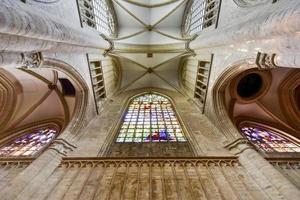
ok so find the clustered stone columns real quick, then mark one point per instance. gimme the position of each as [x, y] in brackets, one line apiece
[275, 185]
[263, 24]
[30, 179]
[24, 28]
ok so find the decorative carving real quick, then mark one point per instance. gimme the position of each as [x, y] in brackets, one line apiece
[61, 146]
[149, 162]
[111, 45]
[31, 60]
[265, 61]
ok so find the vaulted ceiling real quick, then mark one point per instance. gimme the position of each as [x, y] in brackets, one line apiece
[149, 43]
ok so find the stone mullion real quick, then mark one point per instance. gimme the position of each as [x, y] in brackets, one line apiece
[210, 183]
[252, 187]
[172, 191]
[46, 189]
[90, 188]
[65, 183]
[131, 184]
[224, 186]
[144, 192]
[104, 185]
[78, 182]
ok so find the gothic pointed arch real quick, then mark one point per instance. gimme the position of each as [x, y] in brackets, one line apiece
[150, 127]
[245, 93]
[269, 139]
[30, 142]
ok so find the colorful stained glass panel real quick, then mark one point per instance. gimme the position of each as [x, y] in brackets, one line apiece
[152, 119]
[268, 140]
[29, 143]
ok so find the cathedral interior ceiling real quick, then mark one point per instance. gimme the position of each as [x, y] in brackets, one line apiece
[149, 43]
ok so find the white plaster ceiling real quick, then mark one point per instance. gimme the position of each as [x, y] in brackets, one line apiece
[163, 39]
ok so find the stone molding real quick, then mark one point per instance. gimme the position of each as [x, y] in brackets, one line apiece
[62, 146]
[149, 162]
[265, 61]
[239, 146]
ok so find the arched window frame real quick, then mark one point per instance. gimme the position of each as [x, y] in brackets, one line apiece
[199, 15]
[100, 15]
[181, 125]
[23, 132]
[273, 130]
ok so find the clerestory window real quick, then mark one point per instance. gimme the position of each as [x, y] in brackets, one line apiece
[29, 144]
[200, 14]
[98, 14]
[269, 140]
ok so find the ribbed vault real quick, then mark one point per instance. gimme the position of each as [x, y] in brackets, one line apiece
[149, 43]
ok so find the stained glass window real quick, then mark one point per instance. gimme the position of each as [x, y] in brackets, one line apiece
[269, 140]
[29, 144]
[201, 14]
[150, 118]
[98, 14]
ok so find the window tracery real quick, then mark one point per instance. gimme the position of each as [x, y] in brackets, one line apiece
[98, 14]
[269, 140]
[200, 14]
[29, 144]
[150, 118]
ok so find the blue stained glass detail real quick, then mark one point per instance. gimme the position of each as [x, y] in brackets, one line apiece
[269, 140]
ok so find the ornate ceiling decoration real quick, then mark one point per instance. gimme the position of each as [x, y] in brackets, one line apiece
[149, 43]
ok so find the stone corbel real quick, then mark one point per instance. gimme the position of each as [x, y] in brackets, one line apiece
[111, 45]
[265, 61]
[239, 146]
[61, 146]
[31, 60]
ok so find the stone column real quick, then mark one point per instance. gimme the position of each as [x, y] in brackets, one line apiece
[278, 20]
[275, 185]
[26, 28]
[30, 179]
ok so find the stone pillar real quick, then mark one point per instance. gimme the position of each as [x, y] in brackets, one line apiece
[271, 181]
[264, 22]
[26, 28]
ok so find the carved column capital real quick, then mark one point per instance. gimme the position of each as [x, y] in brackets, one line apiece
[265, 61]
[31, 60]
[239, 146]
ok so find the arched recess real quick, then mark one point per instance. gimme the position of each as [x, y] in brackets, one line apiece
[268, 139]
[223, 121]
[48, 161]
[78, 121]
[273, 102]
[25, 109]
[159, 141]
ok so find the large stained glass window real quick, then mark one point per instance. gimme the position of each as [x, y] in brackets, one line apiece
[29, 144]
[150, 118]
[268, 140]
